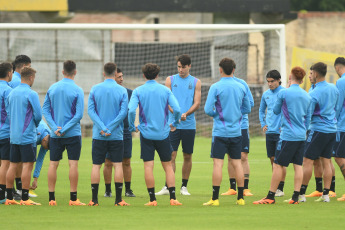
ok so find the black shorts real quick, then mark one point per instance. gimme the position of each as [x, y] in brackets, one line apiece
[23, 153]
[113, 149]
[289, 152]
[127, 147]
[187, 136]
[229, 145]
[245, 140]
[148, 147]
[58, 146]
[271, 144]
[5, 147]
[339, 146]
[319, 144]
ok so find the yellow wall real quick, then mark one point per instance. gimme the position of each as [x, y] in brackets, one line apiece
[33, 5]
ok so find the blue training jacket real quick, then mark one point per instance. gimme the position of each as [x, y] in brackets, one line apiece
[16, 80]
[294, 103]
[5, 90]
[42, 131]
[25, 114]
[154, 100]
[63, 107]
[226, 102]
[245, 119]
[273, 121]
[340, 115]
[107, 108]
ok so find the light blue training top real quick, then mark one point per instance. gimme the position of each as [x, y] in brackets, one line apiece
[245, 119]
[16, 80]
[226, 102]
[154, 100]
[341, 104]
[42, 131]
[5, 90]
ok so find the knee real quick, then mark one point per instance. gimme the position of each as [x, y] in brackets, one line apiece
[126, 162]
[187, 157]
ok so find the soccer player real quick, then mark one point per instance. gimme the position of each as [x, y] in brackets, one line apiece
[187, 90]
[294, 103]
[339, 147]
[63, 109]
[25, 115]
[5, 89]
[271, 122]
[20, 62]
[107, 107]
[226, 102]
[154, 100]
[323, 129]
[43, 137]
[245, 150]
[127, 154]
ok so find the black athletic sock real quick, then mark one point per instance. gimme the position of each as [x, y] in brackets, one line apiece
[107, 187]
[325, 191]
[19, 183]
[240, 193]
[215, 195]
[73, 196]
[295, 196]
[9, 193]
[151, 192]
[318, 182]
[233, 183]
[172, 193]
[25, 194]
[94, 189]
[333, 184]
[246, 182]
[118, 189]
[2, 191]
[128, 185]
[303, 189]
[281, 186]
[51, 196]
[184, 182]
[270, 195]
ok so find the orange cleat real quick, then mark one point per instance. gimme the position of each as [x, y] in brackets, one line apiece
[229, 192]
[341, 198]
[314, 194]
[332, 194]
[28, 202]
[91, 203]
[52, 203]
[151, 203]
[293, 202]
[122, 203]
[175, 202]
[76, 203]
[247, 192]
[264, 201]
[11, 202]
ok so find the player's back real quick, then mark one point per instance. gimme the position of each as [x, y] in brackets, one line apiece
[341, 104]
[5, 90]
[245, 119]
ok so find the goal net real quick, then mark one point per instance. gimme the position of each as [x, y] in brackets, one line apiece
[255, 49]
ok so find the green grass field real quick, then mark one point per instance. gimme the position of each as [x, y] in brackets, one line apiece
[192, 215]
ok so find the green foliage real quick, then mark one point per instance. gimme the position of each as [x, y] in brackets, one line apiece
[318, 5]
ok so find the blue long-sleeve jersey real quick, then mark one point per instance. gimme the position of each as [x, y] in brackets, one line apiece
[226, 102]
[42, 131]
[154, 100]
[125, 121]
[294, 102]
[5, 90]
[63, 107]
[341, 104]
[25, 115]
[273, 121]
[323, 107]
[245, 119]
[16, 80]
[107, 108]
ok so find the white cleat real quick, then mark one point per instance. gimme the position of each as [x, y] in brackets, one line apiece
[164, 191]
[323, 198]
[301, 198]
[184, 191]
[279, 193]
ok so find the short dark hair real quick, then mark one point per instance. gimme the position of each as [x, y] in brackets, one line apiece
[5, 68]
[273, 74]
[228, 65]
[27, 72]
[69, 67]
[109, 68]
[150, 70]
[118, 70]
[298, 73]
[320, 68]
[21, 60]
[184, 59]
[339, 61]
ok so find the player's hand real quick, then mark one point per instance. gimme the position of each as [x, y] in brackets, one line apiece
[57, 132]
[183, 116]
[172, 128]
[264, 128]
[38, 133]
[34, 184]
[136, 129]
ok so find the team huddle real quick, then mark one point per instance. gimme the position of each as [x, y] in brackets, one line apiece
[302, 128]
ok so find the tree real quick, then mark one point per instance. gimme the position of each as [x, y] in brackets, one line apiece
[318, 5]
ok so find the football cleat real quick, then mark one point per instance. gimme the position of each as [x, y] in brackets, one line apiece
[184, 191]
[323, 198]
[229, 192]
[212, 203]
[32, 193]
[52, 203]
[76, 203]
[164, 191]
[28, 202]
[107, 194]
[175, 202]
[264, 201]
[91, 203]
[151, 203]
[247, 192]
[240, 202]
[11, 202]
[122, 203]
[332, 194]
[279, 193]
[129, 193]
[341, 198]
[314, 194]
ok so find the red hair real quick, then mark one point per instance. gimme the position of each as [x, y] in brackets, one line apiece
[298, 73]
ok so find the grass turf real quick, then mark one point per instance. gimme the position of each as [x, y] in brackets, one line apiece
[192, 215]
